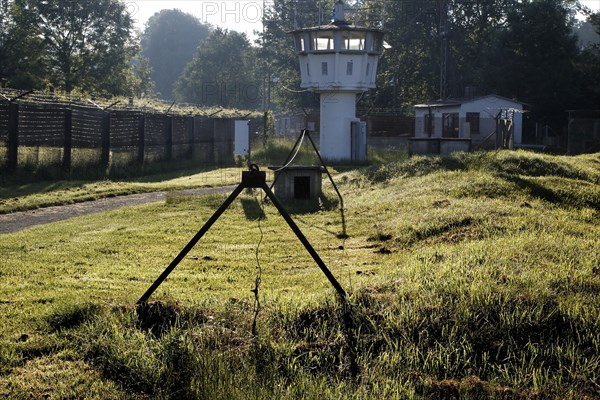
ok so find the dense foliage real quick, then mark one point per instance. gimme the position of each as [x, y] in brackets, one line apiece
[86, 45]
[169, 42]
[527, 50]
[519, 49]
[221, 73]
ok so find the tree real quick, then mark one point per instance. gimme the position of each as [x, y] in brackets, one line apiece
[4, 39]
[588, 66]
[408, 70]
[169, 41]
[221, 73]
[535, 61]
[21, 63]
[277, 51]
[87, 43]
[142, 72]
[586, 32]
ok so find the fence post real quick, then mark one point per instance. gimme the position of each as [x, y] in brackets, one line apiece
[13, 137]
[142, 138]
[192, 151]
[105, 156]
[68, 142]
[169, 141]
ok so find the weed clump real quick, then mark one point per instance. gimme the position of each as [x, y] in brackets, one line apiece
[158, 317]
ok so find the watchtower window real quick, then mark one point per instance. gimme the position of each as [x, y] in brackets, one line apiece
[378, 43]
[324, 68]
[353, 41]
[300, 44]
[302, 187]
[321, 41]
[349, 68]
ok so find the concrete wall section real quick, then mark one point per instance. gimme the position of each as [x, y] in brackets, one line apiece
[449, 146]
[423, 146]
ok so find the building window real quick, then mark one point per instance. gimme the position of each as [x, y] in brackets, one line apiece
[324, 68]
[307, 69]
[473, 120]
[349, 68]
[450, 125]
[300, 44]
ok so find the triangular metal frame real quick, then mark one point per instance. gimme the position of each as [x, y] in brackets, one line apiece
[254, 178]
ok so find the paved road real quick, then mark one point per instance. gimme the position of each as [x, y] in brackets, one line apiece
[18, 221]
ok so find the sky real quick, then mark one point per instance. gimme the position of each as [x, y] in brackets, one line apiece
[239, 15]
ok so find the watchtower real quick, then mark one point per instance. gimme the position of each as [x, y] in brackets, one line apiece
[339, 61]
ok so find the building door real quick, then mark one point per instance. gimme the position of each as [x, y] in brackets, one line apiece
[358, 141]
[450, 125]
[242, 138]
[302, 187]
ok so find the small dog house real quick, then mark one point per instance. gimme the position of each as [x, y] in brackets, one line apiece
[298, 182]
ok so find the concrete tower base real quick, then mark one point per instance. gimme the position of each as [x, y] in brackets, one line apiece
[338, 111]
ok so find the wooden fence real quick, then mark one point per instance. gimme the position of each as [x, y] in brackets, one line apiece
[77, 136]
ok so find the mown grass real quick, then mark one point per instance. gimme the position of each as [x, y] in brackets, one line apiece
[48, 186]
[470, 276]
[18, 196]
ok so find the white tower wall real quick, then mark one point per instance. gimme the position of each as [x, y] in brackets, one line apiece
[338, 110]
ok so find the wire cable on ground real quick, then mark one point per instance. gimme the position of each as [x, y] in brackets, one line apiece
[258, 278]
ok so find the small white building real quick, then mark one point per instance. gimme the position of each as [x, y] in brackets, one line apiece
[463, 124]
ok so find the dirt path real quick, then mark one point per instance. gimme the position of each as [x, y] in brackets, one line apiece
[18, 221]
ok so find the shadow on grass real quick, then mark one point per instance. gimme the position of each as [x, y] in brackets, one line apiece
[252, 209]
[579, 196]
[27, 182]
[534, 189]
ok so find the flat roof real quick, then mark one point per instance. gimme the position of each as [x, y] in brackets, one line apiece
[298, 168]
[460, 101]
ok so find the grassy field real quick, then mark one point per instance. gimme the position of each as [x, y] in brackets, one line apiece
[470, 276]
[43, 193]
[22, 192]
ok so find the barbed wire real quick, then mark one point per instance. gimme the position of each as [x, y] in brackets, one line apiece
[149, 105]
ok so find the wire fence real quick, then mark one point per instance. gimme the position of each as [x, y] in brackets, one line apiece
[44, 133]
